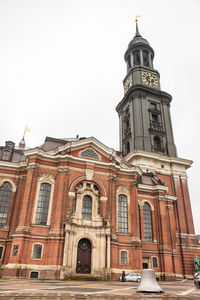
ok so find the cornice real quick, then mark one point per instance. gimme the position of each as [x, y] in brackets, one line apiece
[116, 164]
[153, 188]
[12, 165]
[141, 89]
[161, 158]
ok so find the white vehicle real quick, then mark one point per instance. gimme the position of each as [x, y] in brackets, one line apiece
[131, 277]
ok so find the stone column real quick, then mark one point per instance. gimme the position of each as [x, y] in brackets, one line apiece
[108, 251]
[131, 55]
[65, 247]
[141, 57]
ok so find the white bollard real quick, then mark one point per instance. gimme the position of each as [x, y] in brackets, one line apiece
[148, 282]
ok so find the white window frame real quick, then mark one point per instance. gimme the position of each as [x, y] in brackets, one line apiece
[45, 178]
[41, 251]
[124, 191]
[120, 253]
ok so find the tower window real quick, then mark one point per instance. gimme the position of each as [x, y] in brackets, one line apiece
[147, 223]
[122, 214]
[157, 143]
[151, 60]
[136, 58]
[155, 118]
[129, 61]
[87, 207]
[153, 106]
[146, 58]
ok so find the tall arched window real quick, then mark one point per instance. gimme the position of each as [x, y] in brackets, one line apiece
[129, 61]
[43, 204]
[136, 57]
[87, 207]
[5, 195]
[124, 258]
[146, 58]
[122, 214]
[37, 251]
[147, 223]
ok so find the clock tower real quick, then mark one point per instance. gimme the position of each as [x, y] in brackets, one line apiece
[144, 112]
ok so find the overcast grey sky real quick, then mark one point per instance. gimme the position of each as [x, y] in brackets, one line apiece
[62, 66]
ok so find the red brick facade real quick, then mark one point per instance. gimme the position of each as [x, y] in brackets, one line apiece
[104, 176]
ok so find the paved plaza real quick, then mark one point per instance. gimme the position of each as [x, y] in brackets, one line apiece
[57, 289]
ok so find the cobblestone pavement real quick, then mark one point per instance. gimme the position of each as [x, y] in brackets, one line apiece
[56, 289]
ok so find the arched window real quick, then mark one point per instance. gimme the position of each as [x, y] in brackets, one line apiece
[136, 57]
[122, 214]
[129, 61]
[37, 251]
[43, 204]
[87, 207]
[154, 262]
[146, 58]
[147, 223]
[124, 258]
[5, 195]
[157, 143]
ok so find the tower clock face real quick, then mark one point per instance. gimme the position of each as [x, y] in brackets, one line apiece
[128, 83]
[150, 79]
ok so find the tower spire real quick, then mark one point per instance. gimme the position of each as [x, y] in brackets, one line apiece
[137, 33]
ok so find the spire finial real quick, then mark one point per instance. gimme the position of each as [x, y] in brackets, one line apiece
[22, 142]
[137, 30]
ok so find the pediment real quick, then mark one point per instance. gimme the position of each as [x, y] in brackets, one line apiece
[88, 149]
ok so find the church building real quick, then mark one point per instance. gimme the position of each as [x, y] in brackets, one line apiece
[74, 208]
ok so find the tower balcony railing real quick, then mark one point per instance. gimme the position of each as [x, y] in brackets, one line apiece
[156, 126]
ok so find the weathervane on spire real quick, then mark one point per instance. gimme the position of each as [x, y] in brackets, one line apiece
[136, 18]
[22, 142]
[137, 34]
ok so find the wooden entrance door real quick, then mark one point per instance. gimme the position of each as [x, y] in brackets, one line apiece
[83, 265]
